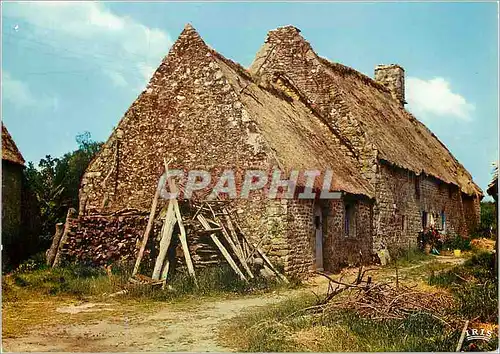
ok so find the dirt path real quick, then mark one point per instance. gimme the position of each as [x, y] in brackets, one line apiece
[168, 329]
[191, 327]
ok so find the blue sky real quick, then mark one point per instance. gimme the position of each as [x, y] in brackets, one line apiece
[74, 67]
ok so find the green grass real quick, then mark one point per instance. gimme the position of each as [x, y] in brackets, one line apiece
[410, 256]
[475, 286]
[82, 281]
[283, 328]
[457, 243]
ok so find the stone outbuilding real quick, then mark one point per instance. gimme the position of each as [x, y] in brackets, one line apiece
[292, 110]
[12, 195]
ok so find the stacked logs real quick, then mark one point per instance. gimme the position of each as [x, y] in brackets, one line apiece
[101, 239]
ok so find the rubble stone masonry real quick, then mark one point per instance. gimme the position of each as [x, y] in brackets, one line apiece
[398, 211]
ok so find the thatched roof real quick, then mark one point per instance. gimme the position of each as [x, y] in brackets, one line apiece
[397, 135]
[493, 185]
[298, 138]
[10, 152]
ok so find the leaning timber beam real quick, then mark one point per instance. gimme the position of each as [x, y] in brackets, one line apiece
[221, 247]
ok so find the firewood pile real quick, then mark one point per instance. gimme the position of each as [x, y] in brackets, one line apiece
[381, 301]
[205, 233]
[214, 233]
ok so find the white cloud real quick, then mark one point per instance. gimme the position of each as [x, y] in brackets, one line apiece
[434, 97]
[91, 33]
[20, 94]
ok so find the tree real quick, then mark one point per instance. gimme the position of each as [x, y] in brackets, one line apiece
[56, 182]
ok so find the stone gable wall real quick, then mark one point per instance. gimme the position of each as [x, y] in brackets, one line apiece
[286, 54]
[196, 120]
[189, 112]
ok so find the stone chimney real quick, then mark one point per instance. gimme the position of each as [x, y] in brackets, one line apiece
[393, 77]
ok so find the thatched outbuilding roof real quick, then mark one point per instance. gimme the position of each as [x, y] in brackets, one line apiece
[10, 152]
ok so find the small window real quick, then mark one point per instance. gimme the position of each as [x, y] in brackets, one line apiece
[417, 187]
[403, 223]
[443, 220]
[350, 220]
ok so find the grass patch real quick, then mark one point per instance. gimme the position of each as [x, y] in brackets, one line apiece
[457, 243]
[213, 281]
[410, 256]
[282, 328]
[32, 293]
[475, 286]
[80, 281]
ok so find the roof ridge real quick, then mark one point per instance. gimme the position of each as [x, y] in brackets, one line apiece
[344, 69]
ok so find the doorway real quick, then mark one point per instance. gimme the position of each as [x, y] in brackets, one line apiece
[318, 227]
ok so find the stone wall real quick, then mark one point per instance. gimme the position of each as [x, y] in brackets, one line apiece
[401, 199]
[341, 249]
[288, 59]
[393, 77]
[300, 237]
[11, 201]
[11, 212]
[472, 212]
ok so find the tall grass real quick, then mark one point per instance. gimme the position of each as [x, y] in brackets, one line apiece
[406, 256]
[283, 327]
[474, 285]
[85, 281]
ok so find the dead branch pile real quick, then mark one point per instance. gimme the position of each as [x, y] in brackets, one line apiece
[381, 301]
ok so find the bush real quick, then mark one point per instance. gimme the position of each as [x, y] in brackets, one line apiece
[403, 256]
[457, 243]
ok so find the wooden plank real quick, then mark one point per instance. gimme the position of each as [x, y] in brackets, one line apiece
[233, 231]
[264, 257]
[164, 271]
[462, 336]
[149, 226]
[57, 259]
[261, 253]
[183, 239]
[236, 251]
[165, 241]
[52, 251]
[221, 247]
[166, 263]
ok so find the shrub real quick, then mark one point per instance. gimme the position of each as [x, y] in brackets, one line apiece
[457, 243]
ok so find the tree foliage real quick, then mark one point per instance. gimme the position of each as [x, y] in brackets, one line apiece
[56, 181]
[488, 218]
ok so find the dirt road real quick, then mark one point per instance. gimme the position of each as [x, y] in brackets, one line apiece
[191, 326]
[168, 329]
